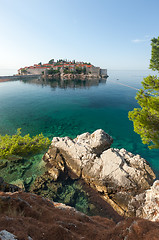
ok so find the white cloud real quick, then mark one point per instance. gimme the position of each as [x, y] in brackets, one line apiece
[145, 39]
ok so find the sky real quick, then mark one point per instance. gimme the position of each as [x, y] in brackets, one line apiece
[112, 34]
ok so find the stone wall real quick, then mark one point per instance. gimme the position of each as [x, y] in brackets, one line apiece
[94, 71]
[103, 72]
[35, 71]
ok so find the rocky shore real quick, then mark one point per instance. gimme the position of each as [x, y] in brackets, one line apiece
[122, 179]
[110, 176]
[26, 216]
[71, 76]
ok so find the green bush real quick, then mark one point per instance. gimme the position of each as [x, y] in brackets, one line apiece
[146, 118]
[52, 71]
[22, 146]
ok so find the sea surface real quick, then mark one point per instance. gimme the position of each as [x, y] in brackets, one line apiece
[70, 108]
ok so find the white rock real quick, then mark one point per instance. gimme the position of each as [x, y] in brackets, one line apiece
[113, 171]
[151, 206]
[5, 235]
[122, 167]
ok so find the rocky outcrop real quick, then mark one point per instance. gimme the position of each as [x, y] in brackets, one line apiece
[6, 187]
[151, 204]
[5, 235]
[146, 204]
[80, 76]
[73, 76]
[117, 175]
[28, 216]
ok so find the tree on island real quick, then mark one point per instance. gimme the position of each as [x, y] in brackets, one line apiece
[146, 118]
[24, 71]
[51, 61]
[52, 71]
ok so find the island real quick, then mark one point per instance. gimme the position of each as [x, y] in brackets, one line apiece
[64, 69]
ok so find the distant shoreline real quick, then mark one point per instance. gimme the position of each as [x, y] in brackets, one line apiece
[15, 77]
[64, 77]
[5, 80]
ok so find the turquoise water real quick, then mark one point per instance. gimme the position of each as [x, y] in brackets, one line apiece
[71, 108]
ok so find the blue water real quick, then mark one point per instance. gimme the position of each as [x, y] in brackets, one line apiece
[70, 108]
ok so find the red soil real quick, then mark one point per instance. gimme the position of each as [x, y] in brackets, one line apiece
[26, 214]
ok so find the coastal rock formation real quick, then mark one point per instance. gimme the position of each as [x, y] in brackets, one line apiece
[151, 204]
[6, 187]
[31, 217]
[117, 175]
[5, 235]
[81, 76]
[146, 204]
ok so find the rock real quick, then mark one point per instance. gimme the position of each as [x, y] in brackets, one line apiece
[6, 187]
[1, 180]
[54, 173]
[117, 174]
[28, 181]
[151, 204]
[135, 205]
[19, 183]
[14, 158]
[5, 235]
[146, 204]
[98, 140]
[3, 164]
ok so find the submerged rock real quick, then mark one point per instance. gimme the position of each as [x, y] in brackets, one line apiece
[19, 183]
[6, 187]
[117, 175]
[3, 164]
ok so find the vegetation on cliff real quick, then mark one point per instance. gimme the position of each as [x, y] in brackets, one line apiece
[146, 118]
[78, 70]
[52, 71]
[22, 146]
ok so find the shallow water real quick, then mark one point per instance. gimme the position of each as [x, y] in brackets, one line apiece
[70, 108]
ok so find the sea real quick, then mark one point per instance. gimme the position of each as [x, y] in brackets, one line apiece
[69, 108]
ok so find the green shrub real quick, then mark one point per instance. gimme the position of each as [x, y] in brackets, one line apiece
[52, 71]
[22, 146]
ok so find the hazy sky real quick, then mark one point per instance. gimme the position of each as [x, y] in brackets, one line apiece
[113, 34]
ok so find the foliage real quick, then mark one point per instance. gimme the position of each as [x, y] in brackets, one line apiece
[51, 61]
[84, 70]
[66, 70]
[146, 118]
[52, 71]
[154, 62]
[78, 70]
[24, 70]
[22, 146]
